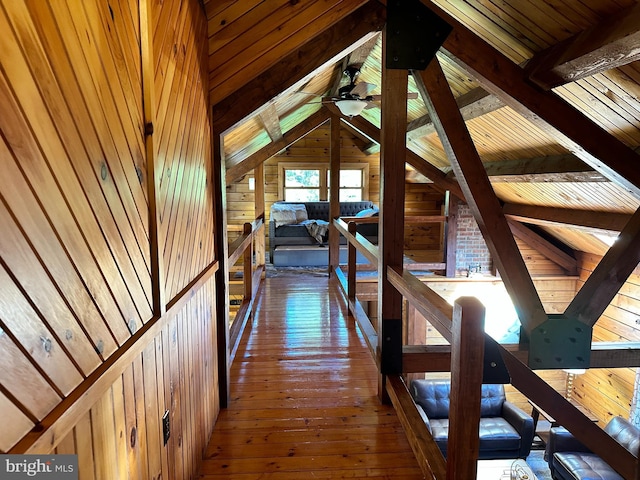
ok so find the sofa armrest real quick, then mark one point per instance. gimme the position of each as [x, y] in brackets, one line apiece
[523, 423]
[561, 440]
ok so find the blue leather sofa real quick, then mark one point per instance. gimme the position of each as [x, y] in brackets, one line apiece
[570, 460]
[505, 430]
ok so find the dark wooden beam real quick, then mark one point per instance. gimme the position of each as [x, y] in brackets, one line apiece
[391, 225]
[556, 168]
[583, 219]
[556, 117]
[222, 275]
[567, 415]
[609, 44]
[544, 247]
[437, 358]
[238, 166]
[472, 104]
[481, 198]
[327, 47]
[609, 275]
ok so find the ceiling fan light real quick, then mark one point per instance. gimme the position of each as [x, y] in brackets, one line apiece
[351, 108]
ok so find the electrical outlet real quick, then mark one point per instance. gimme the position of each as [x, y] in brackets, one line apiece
[166, 430]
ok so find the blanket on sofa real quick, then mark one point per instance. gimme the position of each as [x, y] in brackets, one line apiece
[317, 229]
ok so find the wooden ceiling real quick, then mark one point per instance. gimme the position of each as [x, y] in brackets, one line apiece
[271, 63]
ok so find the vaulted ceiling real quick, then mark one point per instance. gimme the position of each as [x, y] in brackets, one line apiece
[549, 92]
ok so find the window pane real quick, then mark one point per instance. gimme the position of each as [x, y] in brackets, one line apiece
[350, 178]
[301, 195]
[350, 194]
[302, 178]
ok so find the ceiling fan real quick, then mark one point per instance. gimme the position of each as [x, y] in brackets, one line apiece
[353, 98]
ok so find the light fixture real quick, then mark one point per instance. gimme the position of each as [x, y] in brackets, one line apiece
[351, 108]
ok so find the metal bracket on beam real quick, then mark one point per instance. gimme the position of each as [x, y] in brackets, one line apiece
[495, 370]
[414, 35]
[560, 342]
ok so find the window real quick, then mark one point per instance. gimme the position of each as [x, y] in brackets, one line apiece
[304, 183]
[350, 185]
[301, 185]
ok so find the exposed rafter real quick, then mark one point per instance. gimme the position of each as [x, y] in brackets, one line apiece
[271, 121]
[583, 219]
[612, 43]
[485, 206]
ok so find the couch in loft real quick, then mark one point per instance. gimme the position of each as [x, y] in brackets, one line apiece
[290, 224]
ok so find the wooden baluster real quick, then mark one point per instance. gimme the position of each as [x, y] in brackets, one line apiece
[248, 264]
[351, 265]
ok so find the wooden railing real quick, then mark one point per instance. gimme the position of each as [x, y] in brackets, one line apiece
[253, 267]
[471, 357]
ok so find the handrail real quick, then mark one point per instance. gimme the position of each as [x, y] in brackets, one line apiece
[243, 247]
[362, 245]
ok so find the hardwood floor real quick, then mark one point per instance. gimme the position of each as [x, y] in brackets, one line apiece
[304, 401]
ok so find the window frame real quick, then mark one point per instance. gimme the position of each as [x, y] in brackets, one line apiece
[324, 169]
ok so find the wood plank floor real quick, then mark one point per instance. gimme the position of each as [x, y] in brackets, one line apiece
[303, 391]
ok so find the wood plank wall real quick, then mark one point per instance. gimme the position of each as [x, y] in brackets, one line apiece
[608, 392]
[75, 251]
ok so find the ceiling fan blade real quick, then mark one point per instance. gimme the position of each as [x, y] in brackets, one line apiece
[410, 96]
[362, 89]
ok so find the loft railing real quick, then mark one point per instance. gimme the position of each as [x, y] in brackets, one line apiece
[250, 247]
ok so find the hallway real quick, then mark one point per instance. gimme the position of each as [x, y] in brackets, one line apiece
[304, 396]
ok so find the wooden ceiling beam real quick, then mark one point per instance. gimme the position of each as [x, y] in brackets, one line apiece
[556, 117]
[472, 104]
[556, 168]
[271, 121]
[242, 166]
[323, 49]
[610, 44]
[481, 198]
[552, 216]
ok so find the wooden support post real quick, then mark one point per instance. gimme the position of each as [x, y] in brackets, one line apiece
[153, 175]
[391, 240]
[334, 194]
[351, 266]
[467, 357]
[451, 234]
[222, 275]
[260, 241]
[247, 261]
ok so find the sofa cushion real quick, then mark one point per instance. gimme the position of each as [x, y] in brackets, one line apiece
[498, 434]
[491, 400]
[582, 465]
[494, 433]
